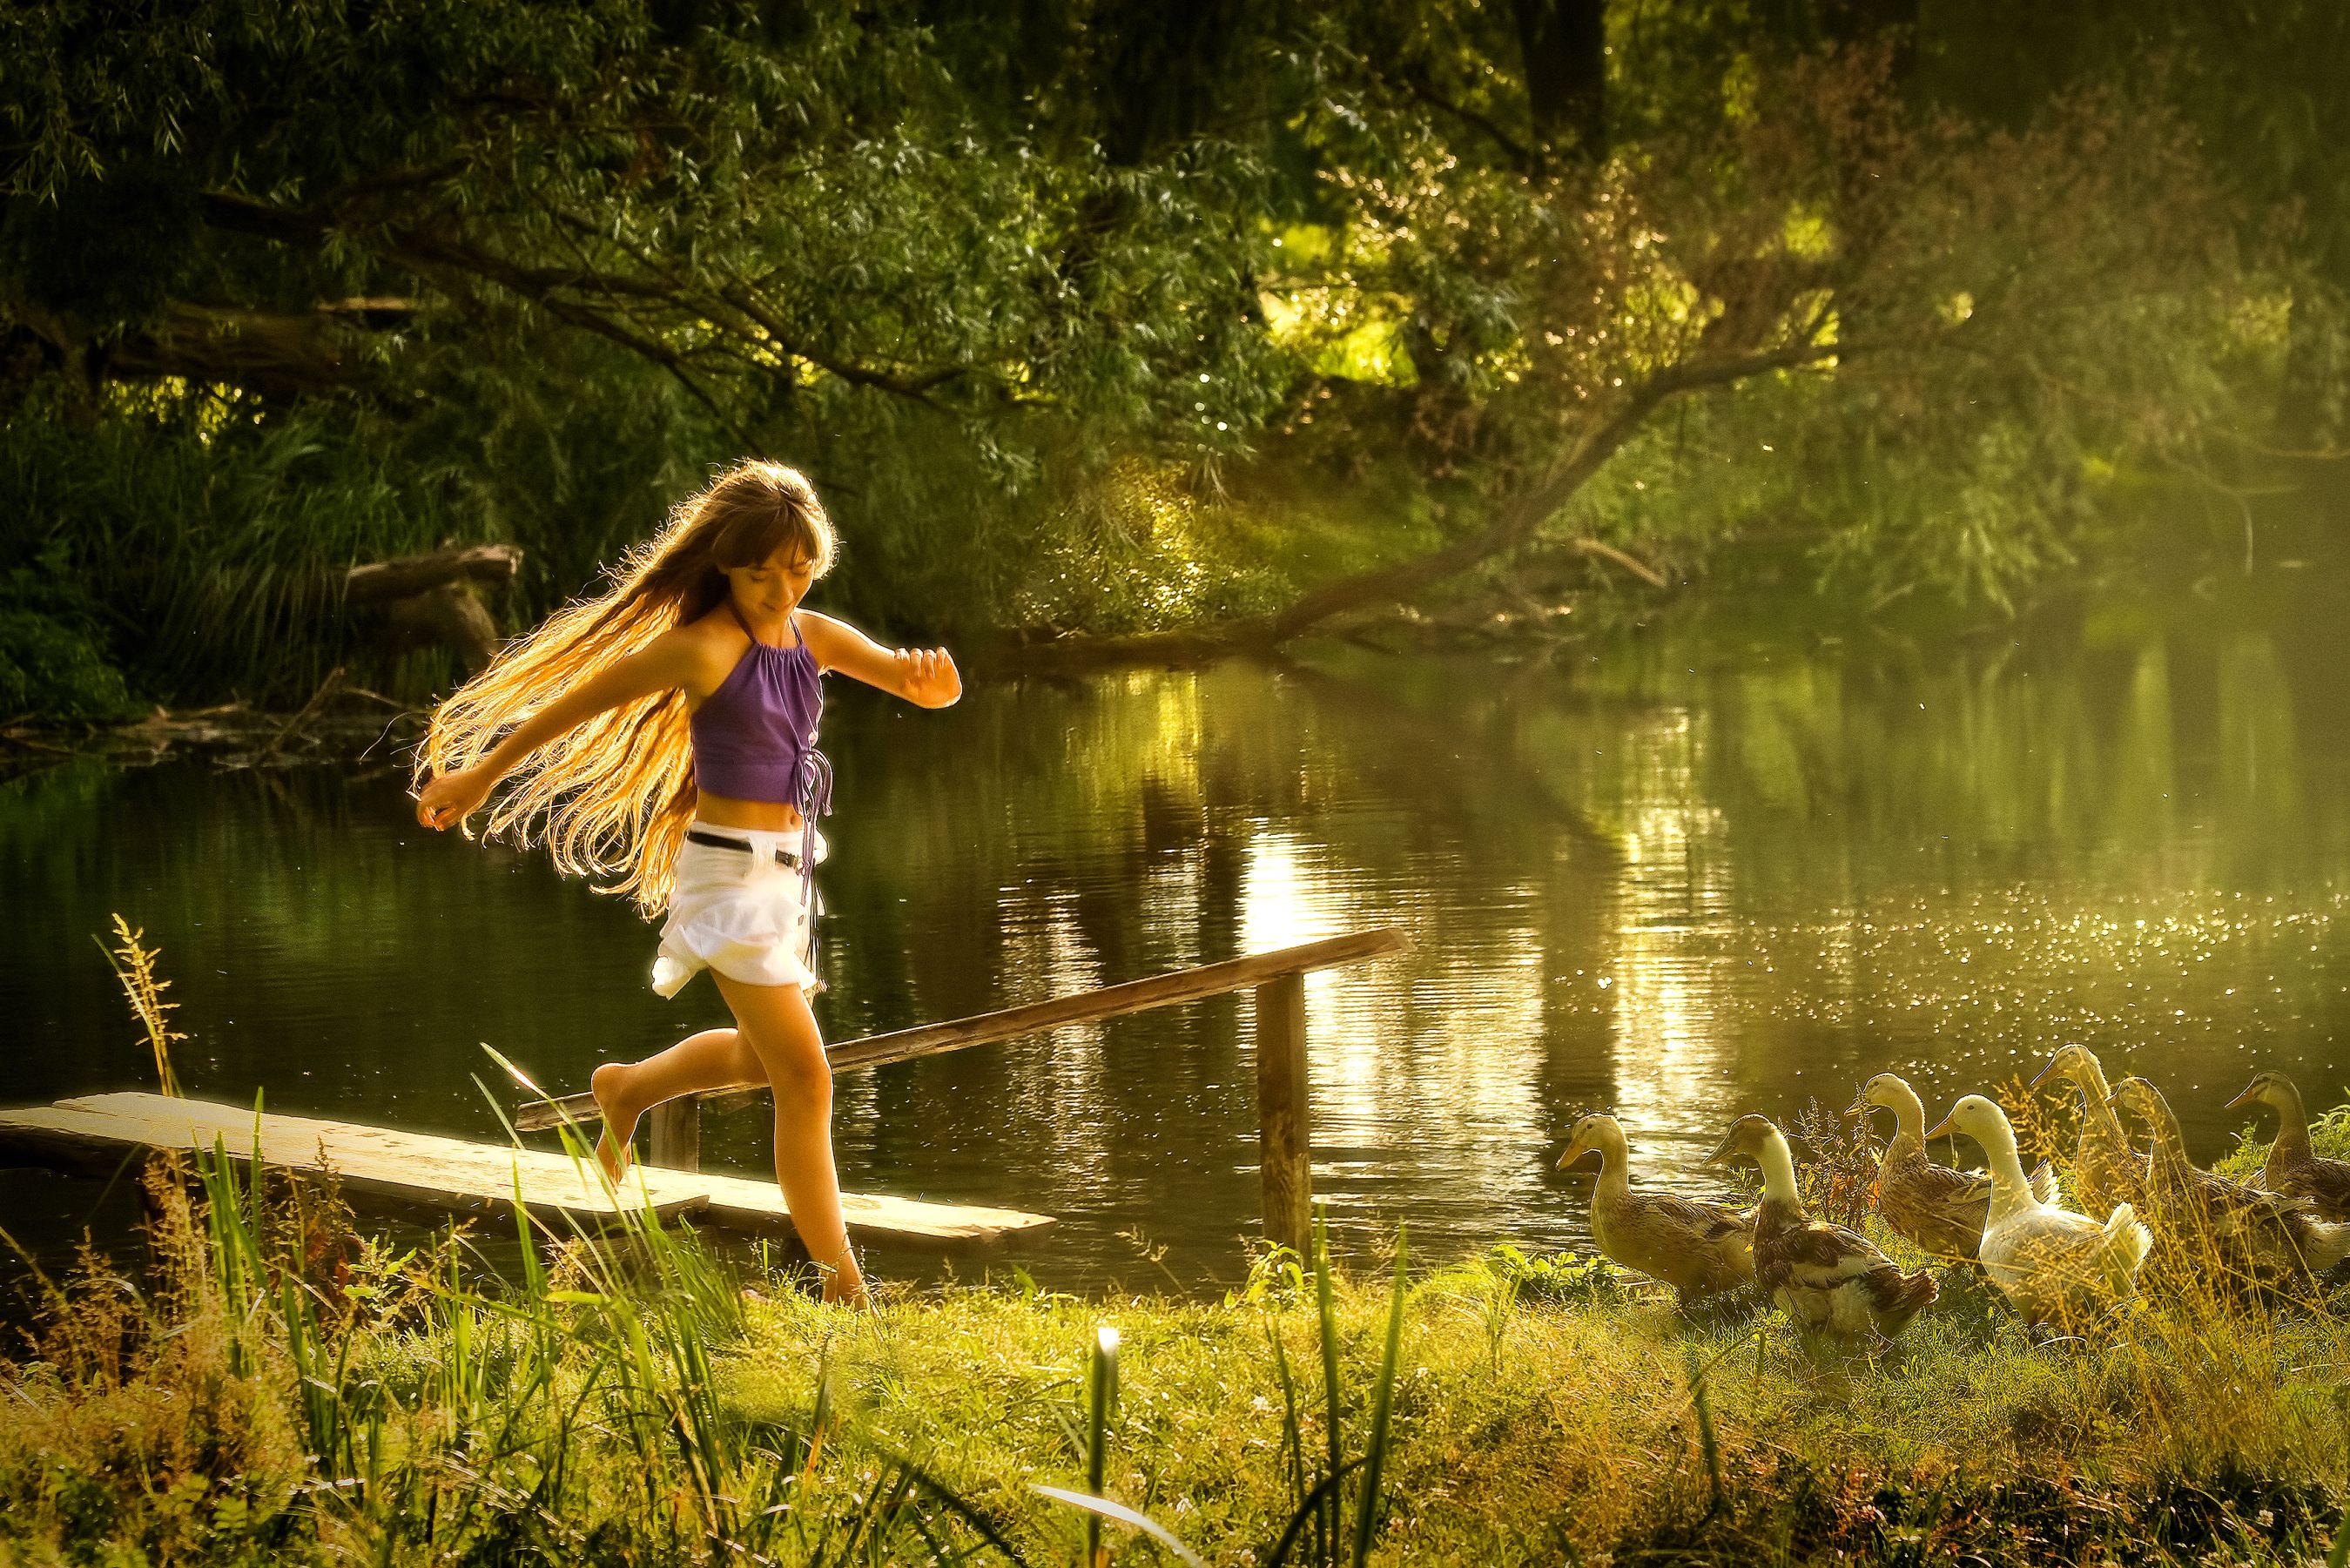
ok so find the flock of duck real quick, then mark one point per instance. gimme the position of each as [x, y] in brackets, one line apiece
[2058, 1265]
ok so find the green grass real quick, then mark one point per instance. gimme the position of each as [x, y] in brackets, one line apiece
[276, 1385]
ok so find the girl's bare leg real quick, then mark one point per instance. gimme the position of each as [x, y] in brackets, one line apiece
[776, 1021]
[714, 1059]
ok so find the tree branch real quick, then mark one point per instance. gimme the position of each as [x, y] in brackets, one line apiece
[1525, 512]
[1522, 157]
[1517, 518]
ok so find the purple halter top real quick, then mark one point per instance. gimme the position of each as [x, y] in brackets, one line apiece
[754, 737]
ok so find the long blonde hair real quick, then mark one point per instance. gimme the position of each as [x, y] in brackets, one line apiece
[613, 797]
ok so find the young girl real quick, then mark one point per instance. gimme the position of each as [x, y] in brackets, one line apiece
[665, 733]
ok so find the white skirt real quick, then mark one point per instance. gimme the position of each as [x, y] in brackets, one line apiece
[738, 912]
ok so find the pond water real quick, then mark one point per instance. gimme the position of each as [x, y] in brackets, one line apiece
[1679, 873]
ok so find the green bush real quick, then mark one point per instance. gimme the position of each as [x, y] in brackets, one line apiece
[52, 663]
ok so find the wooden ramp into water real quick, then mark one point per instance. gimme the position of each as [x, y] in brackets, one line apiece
[421, 1169]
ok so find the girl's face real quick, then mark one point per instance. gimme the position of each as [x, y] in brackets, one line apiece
[773, 587]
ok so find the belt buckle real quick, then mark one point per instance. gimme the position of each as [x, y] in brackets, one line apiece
[786, 859]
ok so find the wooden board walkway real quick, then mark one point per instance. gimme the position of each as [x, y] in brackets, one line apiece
[423, 1169]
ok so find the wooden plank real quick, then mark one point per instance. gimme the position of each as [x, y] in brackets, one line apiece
[747, 1203]
[1109, 1001]
[1286, 1169]
[413, 1168]
[423, 1169]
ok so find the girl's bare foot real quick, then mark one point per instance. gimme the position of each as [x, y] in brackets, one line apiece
[607, 1083]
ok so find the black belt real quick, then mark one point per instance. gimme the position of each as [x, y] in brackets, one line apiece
[719, 841]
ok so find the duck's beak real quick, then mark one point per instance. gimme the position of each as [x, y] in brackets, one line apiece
[1943, 1130]
[1859, 1107]
[1575, 1150]
[2043, 1076]
[2250, 1097]
[1724, 1151]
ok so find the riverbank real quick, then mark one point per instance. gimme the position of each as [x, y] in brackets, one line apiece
[279, 1385]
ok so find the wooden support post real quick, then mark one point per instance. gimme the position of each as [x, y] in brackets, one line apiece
[1281, 1112]
[676, 1134]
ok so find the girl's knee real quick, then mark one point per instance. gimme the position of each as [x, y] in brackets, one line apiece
[800, 1077]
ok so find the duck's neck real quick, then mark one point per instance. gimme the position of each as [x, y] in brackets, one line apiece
[1908, 1123]
[2169, 1146]
[1614, 1168]
[2095, 1093]
[2291, 1146]
[2010, 1190]
[1779, 1189]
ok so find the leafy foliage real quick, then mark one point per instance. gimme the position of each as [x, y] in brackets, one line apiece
[1082, 316]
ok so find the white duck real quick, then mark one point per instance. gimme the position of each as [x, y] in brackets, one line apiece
[2056, 1267]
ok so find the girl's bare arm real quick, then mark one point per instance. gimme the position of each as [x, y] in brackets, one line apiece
[923, 675]
[675, 658]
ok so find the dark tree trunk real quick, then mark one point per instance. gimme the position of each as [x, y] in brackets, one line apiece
[1565, 46]
[378, 582]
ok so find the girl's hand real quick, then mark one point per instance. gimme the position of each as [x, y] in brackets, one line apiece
[928, 677]
[451, 799]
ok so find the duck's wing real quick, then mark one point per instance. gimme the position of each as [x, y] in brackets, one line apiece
[1819, 1256]
[2237, 1203]
[2325, 1183]
[1952, 1189]
[2262, 1230]
[1703, 1221]
[1956, 1187]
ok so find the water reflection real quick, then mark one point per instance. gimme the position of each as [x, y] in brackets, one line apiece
[1685, 876]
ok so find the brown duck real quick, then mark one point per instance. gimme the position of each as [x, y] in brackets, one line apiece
[2291, 1169]
[2257, 1237]
[1939, 1210]
[2107, 1170]
[1698, 1248]
[1829, 1279]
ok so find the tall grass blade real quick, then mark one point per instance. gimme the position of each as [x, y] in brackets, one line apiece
[1106, 1509]
[1366, 1504]
[1309, 1513]
[1712, 1450]
[2339, 1557]
[1326, 1307]
[1292, 1438]
[1103, 1390]
[963, 1509]
[133, 963]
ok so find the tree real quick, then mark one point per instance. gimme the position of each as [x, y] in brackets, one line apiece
[487, 271]
[1893, 276]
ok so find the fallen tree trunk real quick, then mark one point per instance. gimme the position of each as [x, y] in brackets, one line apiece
[434, 599]
[491, 566]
